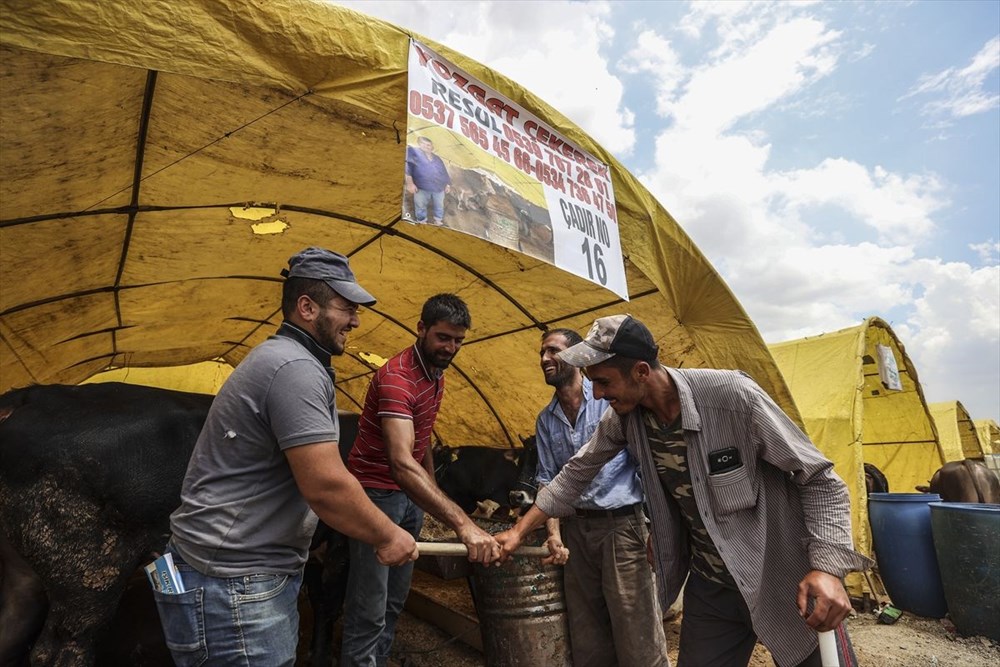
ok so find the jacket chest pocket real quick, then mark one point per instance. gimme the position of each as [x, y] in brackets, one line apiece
[733, 491]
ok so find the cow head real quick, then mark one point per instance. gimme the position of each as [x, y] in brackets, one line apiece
[522, 496]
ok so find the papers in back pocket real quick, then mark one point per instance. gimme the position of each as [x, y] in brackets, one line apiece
[163, 575]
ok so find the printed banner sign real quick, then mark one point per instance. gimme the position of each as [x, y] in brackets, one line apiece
[478, 163]
[888, 371]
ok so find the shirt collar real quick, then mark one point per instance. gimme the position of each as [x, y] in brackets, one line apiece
[690, 419]
[303, 337]
[429, 372]
[588, 395]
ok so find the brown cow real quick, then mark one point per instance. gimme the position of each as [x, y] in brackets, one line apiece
[967, 481]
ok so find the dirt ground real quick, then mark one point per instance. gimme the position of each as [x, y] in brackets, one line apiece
[911, 642]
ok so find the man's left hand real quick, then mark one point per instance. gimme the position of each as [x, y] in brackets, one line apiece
[830, 602]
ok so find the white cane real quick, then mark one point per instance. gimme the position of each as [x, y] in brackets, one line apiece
[828, 649]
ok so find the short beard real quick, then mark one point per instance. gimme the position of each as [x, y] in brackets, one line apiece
[328, 339]
[433, 360]
[561, 378]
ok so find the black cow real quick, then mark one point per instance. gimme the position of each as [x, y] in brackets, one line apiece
[471, 474]
[88, 478]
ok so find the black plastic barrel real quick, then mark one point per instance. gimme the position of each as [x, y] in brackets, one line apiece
[967, 543]
[904, 550]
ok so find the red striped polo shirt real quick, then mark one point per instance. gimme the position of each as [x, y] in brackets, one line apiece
[406, 388]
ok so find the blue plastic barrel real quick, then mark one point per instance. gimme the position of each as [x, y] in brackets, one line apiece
[967, 542]
[904, 550]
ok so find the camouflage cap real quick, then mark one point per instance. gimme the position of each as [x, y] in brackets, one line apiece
[615, 334]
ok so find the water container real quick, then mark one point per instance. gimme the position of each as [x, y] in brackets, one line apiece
[522, 613]
[967, 542]
[904, 550]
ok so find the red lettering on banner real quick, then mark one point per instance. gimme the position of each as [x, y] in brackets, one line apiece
[546, 138]
[501, 148]
[522, 141]
[495, 104]
[579, 193]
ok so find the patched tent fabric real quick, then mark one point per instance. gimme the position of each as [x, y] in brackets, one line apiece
[854, 419]
[956, 431]
[162, 160]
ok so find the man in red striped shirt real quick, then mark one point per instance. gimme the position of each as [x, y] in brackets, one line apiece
[392, 459]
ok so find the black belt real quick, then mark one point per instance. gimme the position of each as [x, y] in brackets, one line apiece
[608, 514]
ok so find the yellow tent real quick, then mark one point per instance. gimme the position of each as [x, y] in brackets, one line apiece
[162, 160]
[988, 433]
[956, 431]
[854, 418]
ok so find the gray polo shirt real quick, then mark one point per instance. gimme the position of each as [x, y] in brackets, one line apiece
[241, 511]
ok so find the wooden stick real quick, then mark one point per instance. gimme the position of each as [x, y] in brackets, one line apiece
[459, 549]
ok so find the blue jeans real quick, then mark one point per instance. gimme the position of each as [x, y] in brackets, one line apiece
[423, 197]
[375, 592]
[247, 621]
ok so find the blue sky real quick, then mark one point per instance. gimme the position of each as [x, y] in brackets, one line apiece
[833, 160]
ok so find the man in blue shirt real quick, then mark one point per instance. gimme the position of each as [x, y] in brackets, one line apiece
[427, 180]
[614, 615]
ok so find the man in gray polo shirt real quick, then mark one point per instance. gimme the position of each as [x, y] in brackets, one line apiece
[266, 463]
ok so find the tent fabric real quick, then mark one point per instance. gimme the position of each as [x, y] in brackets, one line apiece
[956, 431]
[854, 419]
[162, 160]
[206, 377]
[988, 434]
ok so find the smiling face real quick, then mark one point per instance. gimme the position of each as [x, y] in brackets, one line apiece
[440, 342]
[333, 322]
[557, 372]
[623, 390]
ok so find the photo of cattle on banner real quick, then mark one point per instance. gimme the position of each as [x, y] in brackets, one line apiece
[473, 201]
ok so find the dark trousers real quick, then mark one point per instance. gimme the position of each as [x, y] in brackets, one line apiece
[717, 631]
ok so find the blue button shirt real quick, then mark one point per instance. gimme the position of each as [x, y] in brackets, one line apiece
[617, 485]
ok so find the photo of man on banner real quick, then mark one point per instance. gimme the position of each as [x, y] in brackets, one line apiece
[478, 163]
[427, 180]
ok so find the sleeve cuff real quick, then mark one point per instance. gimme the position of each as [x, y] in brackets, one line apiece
[547, 502]
[835, 559]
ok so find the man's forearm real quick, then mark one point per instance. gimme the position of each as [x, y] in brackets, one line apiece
[527, 523]
[421, 488]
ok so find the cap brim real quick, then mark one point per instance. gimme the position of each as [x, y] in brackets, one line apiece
[353, 292]
[582, 355]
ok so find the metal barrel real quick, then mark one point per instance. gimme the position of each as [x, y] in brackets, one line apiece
[522, 613]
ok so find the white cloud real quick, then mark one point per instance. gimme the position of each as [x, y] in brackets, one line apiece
[899, 208]
[654, 56]
[988, 251]
[959, 92]
[798, 290]
[783, 61]
[953, 335]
